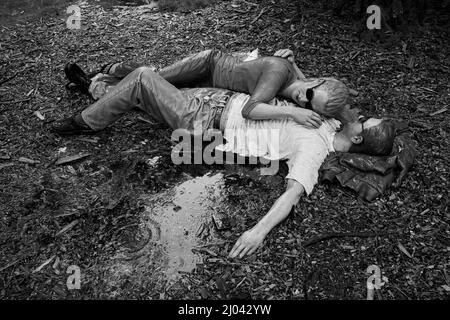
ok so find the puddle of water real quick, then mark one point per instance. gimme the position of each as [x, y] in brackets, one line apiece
[159, 248]
[180, 214]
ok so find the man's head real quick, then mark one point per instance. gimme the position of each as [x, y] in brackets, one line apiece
[326, 96]
[371, 136]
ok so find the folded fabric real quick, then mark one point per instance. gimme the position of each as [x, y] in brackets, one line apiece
[370, 176]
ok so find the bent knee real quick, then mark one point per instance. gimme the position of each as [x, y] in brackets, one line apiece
[211, 54]
[145, 73]
[145, 69]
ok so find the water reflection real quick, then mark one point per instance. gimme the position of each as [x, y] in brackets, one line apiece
[180, 214]
[159, 247]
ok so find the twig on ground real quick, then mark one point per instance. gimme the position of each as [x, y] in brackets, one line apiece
[332, 235]
[44, 264]
[146, 121]
[258, 16]
[237, 286]
[10, 264]
[10, 78]
[13, 76]
[67, 227]
[439, 111]
[355, 55]
[15, 101]
[399, 290]
[250, 3]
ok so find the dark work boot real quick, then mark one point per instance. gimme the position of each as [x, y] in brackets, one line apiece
[106, 67]
[77, 76]
[71, 126]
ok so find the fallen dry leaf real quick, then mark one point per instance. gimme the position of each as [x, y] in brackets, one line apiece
[26, 160]
[67, 227]
[70, 159]
[403, 249]
[44, 264]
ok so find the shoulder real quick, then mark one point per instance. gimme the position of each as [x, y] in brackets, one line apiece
[281, 67]
[277, 61]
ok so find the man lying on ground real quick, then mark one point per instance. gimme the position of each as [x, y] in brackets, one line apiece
[263, 78]
[304, 149]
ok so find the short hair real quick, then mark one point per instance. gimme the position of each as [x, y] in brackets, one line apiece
[377, 140]
[338, 97]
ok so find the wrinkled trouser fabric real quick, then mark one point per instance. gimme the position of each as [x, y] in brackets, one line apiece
[196, 70]
[143, 88]
[102, 83]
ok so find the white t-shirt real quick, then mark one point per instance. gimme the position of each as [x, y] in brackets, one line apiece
[305, 149]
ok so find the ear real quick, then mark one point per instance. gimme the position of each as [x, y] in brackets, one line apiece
[356, 139]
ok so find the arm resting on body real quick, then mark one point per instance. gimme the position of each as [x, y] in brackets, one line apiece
[264, 111]
[300, 74]
[251, 239]
[289, 55]
[270, 82]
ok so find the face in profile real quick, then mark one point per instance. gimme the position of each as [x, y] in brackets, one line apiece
[356, 127]
[311, 96]
[319, 101]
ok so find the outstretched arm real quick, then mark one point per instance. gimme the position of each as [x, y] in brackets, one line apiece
[251, 239]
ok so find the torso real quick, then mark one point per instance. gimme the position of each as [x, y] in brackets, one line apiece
[233, 74]
[249, 137]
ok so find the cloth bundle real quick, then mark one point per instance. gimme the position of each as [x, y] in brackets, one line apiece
[370, 176]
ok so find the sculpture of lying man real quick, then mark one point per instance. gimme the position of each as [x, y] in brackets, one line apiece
[304, 148]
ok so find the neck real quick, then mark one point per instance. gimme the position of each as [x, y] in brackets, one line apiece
[341, 142]
[291, 91]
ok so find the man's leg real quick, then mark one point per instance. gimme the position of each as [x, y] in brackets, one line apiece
[122, 69]
[110, 75]
[142, 88]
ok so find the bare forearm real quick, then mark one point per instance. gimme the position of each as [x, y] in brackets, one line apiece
[279, 211]
[289, 55]
[251, 239]
[263, 111]
[300, 74]
[308, 118]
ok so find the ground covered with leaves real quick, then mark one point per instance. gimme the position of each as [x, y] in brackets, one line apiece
[57, 211]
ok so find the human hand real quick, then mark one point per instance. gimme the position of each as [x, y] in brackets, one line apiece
[247, 243]
[307, 118]
[285, 53]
